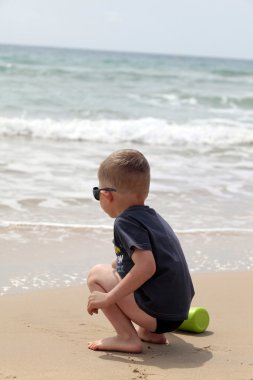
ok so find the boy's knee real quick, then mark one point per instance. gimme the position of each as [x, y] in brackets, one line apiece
[94, 274]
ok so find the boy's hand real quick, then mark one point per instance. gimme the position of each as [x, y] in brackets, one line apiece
[97, 300]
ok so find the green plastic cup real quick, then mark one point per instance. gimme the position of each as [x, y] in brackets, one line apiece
[198, 320]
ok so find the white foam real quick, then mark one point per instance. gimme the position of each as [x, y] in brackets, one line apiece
[207, 132]
[99, 227]
[38, 225]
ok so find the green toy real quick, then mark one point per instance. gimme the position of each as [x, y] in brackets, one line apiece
[198, 320]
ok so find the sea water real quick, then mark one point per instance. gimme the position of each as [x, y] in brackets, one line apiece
[62, 111]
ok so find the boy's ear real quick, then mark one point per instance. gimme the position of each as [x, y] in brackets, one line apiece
[107, 195]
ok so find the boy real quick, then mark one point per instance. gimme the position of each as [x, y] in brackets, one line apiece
[149, 283]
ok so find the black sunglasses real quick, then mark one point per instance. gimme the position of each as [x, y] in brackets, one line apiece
[96, 191]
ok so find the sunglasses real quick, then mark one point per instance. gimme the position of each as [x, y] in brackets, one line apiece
[96, 191]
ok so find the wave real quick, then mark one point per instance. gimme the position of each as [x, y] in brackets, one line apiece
[48, 225]
[233, 73]
[150, 131]
[99, 227]
[223, 103]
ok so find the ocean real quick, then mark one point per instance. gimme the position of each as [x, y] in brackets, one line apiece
[62, 111]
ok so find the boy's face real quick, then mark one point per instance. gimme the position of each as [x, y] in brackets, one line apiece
[107, 202]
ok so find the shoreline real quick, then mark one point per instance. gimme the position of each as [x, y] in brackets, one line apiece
[44, 335]
[45, 258]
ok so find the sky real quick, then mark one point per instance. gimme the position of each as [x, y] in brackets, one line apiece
[213, 28]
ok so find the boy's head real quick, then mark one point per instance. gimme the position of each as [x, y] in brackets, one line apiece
[126, 170]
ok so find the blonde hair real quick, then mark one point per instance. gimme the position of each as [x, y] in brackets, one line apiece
[127, 170]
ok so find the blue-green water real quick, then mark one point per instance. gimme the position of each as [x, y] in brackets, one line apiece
[62, 111]
[84, 85]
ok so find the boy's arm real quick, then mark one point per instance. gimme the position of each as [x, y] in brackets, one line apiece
[142, 271]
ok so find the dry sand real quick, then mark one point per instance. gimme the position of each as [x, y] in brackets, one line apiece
[44, 335]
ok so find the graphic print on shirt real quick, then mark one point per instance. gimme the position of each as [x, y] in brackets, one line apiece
[119, 260]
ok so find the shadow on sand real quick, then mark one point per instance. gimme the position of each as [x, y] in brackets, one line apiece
[178, 354]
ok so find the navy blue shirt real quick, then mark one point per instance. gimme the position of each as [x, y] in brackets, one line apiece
[168, 293]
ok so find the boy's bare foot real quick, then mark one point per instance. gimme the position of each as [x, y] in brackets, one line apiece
[117, 343]
[148, 336]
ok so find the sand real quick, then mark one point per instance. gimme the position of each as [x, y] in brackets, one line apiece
[44, 335]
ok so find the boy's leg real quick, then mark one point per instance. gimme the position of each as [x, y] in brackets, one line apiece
[104, 278]
[129, 306]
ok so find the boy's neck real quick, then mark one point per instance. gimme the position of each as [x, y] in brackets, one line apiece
[124, 203]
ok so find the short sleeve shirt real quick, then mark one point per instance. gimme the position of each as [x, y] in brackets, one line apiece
[168, 293]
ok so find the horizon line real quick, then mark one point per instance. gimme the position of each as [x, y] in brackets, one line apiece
[53, 47]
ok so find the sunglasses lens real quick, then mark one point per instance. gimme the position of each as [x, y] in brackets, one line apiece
[96, 193]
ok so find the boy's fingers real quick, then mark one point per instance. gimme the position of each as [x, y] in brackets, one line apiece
[91, 310]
